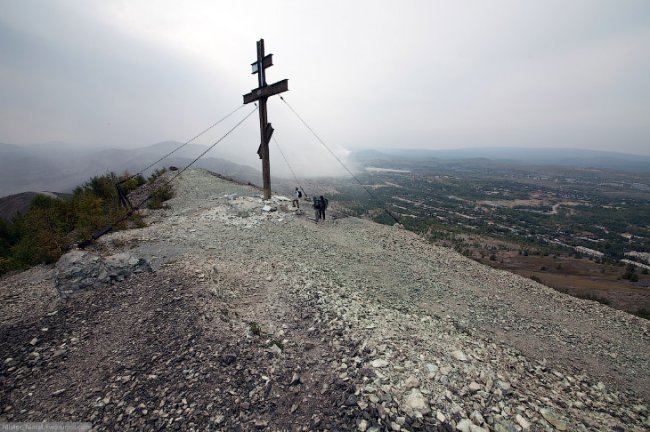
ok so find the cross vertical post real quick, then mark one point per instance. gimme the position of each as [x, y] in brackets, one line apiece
[261, 94]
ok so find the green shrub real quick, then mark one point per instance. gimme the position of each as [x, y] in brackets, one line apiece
[593, 297]
[52, 225]
[643, 313]
[254, 328]
[159, 196]
[157, 173]
[630, 273]
[138, 221]
[41, 234]
[134, 183]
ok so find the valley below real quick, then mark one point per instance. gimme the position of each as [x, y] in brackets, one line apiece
[581, 231]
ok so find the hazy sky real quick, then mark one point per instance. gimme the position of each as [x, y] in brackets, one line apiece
[362, 73]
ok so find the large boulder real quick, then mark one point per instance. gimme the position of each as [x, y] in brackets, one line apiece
[80, 270]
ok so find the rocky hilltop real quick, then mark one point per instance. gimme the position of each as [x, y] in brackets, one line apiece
[244, 319]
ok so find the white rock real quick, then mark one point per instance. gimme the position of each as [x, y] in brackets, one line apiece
[363, 425]
[415, 403]
[464, 425]
[477, 417]
[525, 425]
[431, 368]
[456, 409]
[412, 382]
[459, 355]
[553, 419]
[379, 363]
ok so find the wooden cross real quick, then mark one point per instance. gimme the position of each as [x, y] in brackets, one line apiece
[262, 93]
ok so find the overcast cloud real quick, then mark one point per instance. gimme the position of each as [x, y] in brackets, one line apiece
[362, 73]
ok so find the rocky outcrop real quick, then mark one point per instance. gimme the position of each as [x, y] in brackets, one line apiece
[80, 270]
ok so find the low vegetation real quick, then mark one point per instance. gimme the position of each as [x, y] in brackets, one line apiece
[593, 297]
[53, 225]
[157, 173]
[159, 196]
[643, 313]
[255, 328]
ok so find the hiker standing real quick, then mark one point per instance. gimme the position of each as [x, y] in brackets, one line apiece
[322, 206]
[316, 206]
[296, 198]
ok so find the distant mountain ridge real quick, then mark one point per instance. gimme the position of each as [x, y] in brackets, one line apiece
[61, 167]
[536, 156]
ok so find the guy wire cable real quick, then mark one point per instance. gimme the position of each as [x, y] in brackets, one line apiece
[207, 150]
[341, 162]
[183, 145]
[289, 165]
[109, 228]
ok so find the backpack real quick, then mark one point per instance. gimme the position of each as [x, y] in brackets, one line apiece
[316, 203]
[299, 194]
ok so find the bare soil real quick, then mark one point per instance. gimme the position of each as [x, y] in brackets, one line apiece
[580, 278]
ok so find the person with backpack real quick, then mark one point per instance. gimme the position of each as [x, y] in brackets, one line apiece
[296, 198]
[322, 206]
[316, 206]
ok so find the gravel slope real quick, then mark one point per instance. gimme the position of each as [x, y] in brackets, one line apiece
[356, 326]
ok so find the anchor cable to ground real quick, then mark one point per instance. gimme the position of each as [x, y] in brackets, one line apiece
[109, 228]
[379, 202]
[295, 177]
[203, 132]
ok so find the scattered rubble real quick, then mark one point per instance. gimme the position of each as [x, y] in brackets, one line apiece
[80, 270]
[266, 321]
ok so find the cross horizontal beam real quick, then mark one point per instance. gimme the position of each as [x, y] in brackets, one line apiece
[266, 91]
[267, 61]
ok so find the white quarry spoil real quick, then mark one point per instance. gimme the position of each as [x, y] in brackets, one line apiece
[266, 320]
